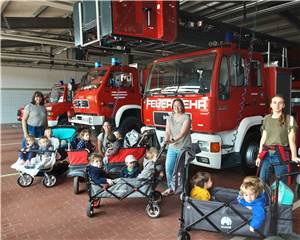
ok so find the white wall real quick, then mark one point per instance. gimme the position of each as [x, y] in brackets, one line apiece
[19, 83]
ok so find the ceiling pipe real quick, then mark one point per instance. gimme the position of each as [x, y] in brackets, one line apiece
[264, 11]
[48, 41]
[24, 57]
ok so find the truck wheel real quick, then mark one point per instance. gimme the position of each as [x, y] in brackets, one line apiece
[249, 152]
[63, 120]
[130, 123]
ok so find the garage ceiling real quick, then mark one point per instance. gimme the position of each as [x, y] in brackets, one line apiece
[42, 31]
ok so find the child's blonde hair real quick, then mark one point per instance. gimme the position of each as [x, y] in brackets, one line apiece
[200, 178]
[30, 138]
[252, 183]
[83, 132]
[151, 153]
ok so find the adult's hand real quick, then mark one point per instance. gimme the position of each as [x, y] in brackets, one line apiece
[257, 162]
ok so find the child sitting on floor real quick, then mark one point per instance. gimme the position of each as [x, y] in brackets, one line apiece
[96, 170]
[85, 142]
[131, 170]
[26, 153]
[201, 182]
[253, 197]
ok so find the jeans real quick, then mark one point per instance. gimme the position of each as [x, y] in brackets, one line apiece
[171, 157]
[37, 132]
[265, 169]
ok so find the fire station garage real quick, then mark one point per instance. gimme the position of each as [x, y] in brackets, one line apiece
[88, 149]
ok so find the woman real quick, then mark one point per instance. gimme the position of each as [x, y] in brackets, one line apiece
[177, 135]
[34, 119]
[102, 137]
[277, 140]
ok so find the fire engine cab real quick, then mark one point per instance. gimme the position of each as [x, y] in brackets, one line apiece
[112, 93]
[226, 91]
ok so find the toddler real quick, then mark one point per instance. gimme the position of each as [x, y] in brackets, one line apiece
[96, 170]
[252, 196]
[45, 152]
[131, 170]
[149, 163]
[85, 142]
[54, 141]
[116, 143]
[201, 182]
[26, 155]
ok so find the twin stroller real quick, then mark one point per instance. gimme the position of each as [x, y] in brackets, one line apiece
[53, 168]
[223, 214]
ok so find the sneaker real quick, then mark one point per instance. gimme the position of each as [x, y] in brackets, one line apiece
[167, 192]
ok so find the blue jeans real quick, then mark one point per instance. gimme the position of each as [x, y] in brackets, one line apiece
[37, 132]
[171, 157]
[264, 173]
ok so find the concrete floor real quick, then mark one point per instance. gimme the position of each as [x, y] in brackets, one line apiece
[57, 213]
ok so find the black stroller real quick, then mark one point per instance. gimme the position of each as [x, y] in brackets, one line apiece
[223, 214]
[127, 188]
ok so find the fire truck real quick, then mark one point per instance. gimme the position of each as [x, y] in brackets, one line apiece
[112, 93]
[226, 91]
[59, 102]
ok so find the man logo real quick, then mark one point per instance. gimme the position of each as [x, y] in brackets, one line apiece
[226, 222]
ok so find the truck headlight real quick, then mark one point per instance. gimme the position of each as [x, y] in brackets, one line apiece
[50, 114]
[204, 146]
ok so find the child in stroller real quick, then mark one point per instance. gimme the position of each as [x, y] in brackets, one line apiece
[26, 153]
[97, 171]
[201, 182]
[253, 197]
[131, 170]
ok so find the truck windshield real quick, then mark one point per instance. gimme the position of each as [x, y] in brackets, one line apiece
[93, 79]
[182, 76]
[57, 94]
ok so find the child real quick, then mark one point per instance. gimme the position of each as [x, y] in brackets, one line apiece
[85, 142]
[201, 182]
[252, 196]
[149, 163]
[117, 143]
[131, 170]
[26, 155]
[45, 152]
[97, 172]
[54, 141]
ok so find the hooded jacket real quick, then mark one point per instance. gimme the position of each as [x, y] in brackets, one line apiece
[258, 209]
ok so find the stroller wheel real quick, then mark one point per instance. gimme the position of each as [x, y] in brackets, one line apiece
[153, 210]
[90, 209]
[76, 185]
[49, 181]
[184, 236]
[157, 196]
[25, 180]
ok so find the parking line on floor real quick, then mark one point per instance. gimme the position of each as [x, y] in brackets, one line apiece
[8, 144]
[9, 174]
[238, 238]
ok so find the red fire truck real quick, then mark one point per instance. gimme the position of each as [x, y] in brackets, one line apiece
[113, 93]
[59, 102]
[226, 91]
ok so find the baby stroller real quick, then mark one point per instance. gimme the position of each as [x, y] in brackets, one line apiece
[127, 188]
[224, 214]
[53, 168]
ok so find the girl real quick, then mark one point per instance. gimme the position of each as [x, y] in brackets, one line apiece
[177, 135]
[102, 137]
[277, 140]
[85, 142]
[252, 196]
[201, 182]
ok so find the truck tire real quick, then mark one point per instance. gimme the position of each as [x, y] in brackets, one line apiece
[249, 152]
[130, 123]
[63, 120]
